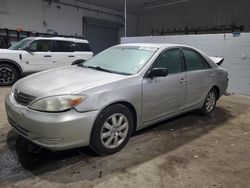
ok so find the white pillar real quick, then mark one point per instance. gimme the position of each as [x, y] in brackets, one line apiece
[125, 18]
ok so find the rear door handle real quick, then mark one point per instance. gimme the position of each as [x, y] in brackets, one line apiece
[183, 81]
[47, 55]
[71, 56]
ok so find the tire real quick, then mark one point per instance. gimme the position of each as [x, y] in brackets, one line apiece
[8, 74]
[209, 103]
[110, 134]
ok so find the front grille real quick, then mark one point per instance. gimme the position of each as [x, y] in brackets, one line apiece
[22, 98]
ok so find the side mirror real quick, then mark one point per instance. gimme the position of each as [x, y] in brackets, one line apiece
[158, 72]
[28, 49]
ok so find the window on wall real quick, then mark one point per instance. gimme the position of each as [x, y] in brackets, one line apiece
[170, 59]
[63, 46]
[41, 46]
[194, 60]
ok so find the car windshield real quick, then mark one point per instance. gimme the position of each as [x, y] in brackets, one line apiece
[125, 60]
[20, 45]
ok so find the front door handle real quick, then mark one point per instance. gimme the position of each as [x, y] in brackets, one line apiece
[71, 56]
[183, 81]
[47, 55]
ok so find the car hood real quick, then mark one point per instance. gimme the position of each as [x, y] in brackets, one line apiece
[9, 51]
[67, 80]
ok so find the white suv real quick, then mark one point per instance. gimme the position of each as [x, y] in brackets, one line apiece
[35, 54]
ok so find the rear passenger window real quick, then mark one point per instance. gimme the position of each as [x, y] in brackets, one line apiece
[170, 59]
[194, 60]
[82, 47]
[63, 46]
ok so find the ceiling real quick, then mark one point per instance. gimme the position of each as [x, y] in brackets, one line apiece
[134, 6]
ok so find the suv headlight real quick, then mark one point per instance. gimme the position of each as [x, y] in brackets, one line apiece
[57, 103]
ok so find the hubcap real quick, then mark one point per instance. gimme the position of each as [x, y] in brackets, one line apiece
[210, 102]
[6, 75]
[114, 131]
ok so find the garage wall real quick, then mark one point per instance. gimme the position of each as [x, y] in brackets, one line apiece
[196, 13]
[235, 50]
[34, 15]
[101, 34]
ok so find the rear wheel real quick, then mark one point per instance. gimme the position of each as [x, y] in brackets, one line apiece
[8, 75]
[112, 130]
[210, 102]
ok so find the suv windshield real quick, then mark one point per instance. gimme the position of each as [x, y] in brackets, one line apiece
[122, 59]
[21, 44]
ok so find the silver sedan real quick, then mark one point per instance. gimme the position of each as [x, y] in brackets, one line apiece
[101, 102]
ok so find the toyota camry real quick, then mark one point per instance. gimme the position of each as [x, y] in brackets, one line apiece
[101, 102]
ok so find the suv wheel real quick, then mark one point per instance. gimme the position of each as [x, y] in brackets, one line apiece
[112, 130]
[8, 75]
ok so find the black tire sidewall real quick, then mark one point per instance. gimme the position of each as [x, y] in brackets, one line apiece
[96, 143]
[16, 75]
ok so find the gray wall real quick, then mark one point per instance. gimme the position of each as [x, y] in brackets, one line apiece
[235, 50]
[34, 15]
[196, 13]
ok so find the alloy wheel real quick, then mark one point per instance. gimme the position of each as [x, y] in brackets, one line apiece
[114, 131]
[210, 101]
[6, 75]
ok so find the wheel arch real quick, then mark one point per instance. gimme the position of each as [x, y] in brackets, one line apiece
[217, 90]
[12, 63]
[129, 106]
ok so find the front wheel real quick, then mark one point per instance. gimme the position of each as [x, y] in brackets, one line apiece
[8, 75]
[112, 130]
[210, 102]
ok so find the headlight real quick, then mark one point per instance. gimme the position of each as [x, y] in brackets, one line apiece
[57, 103]
[13, 89]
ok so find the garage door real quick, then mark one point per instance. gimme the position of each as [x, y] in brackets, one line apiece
[101, 34]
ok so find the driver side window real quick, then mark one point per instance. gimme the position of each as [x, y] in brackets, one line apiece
[170, 59]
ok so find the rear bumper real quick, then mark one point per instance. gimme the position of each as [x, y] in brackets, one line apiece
[54, 131]
[223, 88]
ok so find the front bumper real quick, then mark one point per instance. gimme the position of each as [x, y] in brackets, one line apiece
[54, 131]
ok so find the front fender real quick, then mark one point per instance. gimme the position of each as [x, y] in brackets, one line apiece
[12, 62]
[124, 91]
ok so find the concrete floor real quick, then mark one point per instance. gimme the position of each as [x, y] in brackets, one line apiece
[187, 151]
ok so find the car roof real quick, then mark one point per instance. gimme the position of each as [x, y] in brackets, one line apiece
[60, 38]
[155, 45]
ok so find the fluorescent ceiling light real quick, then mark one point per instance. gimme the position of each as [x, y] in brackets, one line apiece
[162, 3]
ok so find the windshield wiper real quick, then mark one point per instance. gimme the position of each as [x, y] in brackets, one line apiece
[102, 69]
[82, 65]
[91, 67]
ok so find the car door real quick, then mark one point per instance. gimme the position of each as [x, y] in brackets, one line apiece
[38, 56]
[64, 53]
[199, 77]
[164, 96]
